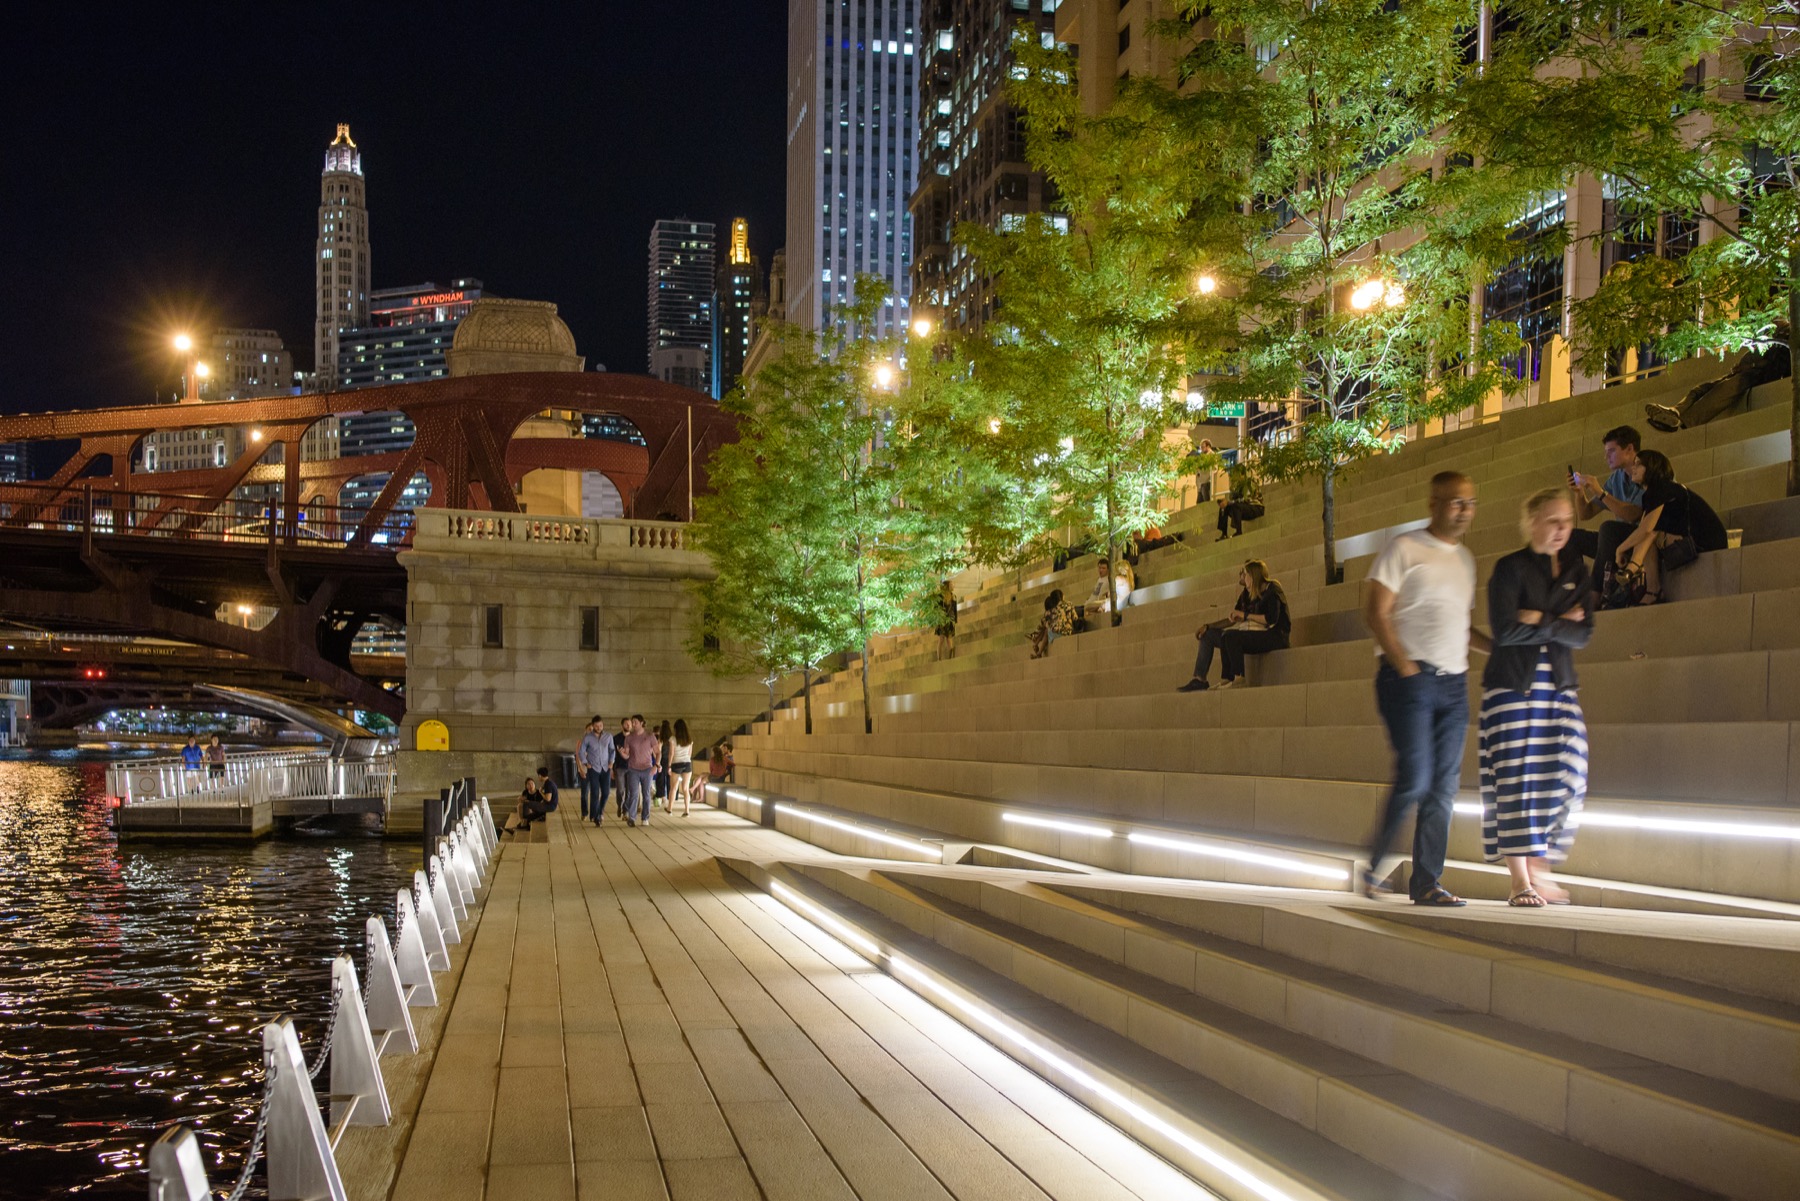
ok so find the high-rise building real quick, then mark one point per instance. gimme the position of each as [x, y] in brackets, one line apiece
[15, 462]
[972, 164]
[341, 256]
[852, 142]
[680, 302]
[247, 363]
[734, 291]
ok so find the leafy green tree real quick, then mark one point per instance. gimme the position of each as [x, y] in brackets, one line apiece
[1690, 112]
[1083, 365]
[808, 499]
[1349, 292]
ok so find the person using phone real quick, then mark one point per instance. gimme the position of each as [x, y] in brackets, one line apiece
[1618, 497]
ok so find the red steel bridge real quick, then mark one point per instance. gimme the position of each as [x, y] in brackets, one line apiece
[103, 551]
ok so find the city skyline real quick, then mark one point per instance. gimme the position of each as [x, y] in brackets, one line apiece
[534, 157]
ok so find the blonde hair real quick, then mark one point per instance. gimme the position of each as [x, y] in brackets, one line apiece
[1536, 503]
[1258, 572]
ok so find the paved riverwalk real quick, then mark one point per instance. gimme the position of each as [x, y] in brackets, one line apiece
[632, 1023]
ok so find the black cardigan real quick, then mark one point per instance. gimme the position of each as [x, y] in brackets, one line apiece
[1522, 580]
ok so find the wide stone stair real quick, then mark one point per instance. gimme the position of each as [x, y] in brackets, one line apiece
[1155, 887]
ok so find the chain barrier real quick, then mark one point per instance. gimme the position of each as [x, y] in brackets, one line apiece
[256, 1139]
[337, 994]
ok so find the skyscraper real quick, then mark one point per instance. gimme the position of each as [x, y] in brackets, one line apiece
[971, 149]
[733, 292]
[342, 255]
[852, 142]
[680, 301]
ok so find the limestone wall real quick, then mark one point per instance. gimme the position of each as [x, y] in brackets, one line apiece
[509, 706]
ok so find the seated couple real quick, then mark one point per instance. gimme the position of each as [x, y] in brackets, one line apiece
[1257, 624]
[537, 800]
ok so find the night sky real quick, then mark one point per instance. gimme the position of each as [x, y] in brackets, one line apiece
[164, 168]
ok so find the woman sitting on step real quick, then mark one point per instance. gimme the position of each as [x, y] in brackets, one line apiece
[1532, 739]
[1058, 621]
[1676, 527]
[1258, 624]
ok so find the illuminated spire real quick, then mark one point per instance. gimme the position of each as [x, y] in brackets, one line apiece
[342, 154]
[740, 241]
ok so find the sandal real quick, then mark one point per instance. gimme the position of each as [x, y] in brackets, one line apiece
[1440, 897]
[1650, 598]
[1526, 898]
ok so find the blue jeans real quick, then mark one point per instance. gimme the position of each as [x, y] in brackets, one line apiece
[637, 794]
[1427, 718]
[594, 787]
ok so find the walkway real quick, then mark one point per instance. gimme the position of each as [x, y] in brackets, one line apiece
[632, 1025]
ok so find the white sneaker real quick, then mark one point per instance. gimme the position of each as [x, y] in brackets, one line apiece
[1224, 684]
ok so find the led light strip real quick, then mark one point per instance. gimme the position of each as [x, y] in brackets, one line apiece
[1223, 852]
[908, 844]
[1047, 823]
[1669, 825]
[745, 797]
[1013, 1036]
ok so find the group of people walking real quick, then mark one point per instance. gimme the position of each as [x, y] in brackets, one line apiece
[641, 765]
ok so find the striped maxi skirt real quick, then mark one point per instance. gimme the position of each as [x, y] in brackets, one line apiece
[1534, 764]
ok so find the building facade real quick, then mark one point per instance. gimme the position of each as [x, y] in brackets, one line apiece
[972, 164]
[341, 256]
[247, 363]
[852, 142]
[680, 302]
[734, 292]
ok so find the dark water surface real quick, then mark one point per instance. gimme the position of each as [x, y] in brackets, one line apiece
[135, 978]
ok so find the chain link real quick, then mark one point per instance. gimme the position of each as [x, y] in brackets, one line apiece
[262, 1129]
[337, 994]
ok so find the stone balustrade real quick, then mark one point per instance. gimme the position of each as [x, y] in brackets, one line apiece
[439, 528]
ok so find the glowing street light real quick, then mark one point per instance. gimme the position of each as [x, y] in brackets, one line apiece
[922, 327]
[884, 375]
[183, 343]
[195, 370]
[993, 425]
[1375, 291]
[1206, 285]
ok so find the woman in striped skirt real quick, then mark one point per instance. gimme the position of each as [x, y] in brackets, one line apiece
[1532, 739]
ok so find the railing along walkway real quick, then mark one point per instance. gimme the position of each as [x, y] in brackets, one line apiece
[246, 781]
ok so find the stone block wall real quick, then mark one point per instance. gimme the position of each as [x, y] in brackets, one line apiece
[510, 708]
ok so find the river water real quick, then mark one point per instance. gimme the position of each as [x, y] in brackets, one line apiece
[135, 977]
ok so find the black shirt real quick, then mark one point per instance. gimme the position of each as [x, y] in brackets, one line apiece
[1271, 606]
[1524, 580]
[547, 786]
[1685, 512]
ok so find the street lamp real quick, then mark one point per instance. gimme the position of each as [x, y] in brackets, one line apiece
[1206, 285]
[884, 375]
[196, 370]
[922, 327]
[1375, 291]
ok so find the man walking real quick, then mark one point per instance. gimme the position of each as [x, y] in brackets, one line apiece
[1420, 595]
[593, 763]
[641, 748]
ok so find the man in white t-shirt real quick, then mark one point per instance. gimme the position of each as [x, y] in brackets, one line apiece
[1420, 594]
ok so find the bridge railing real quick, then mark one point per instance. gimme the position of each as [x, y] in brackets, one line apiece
[369, 1018]
[465, 525]
[253, 779]
[102, 511]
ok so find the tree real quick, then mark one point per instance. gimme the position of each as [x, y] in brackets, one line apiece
[1688, 111]
[807, 500]
[1083, 365]
[1350, 291]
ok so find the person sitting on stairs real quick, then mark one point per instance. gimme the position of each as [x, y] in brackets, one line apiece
[1677, 526]
[1244, 503]
[1258, 624]
[1057, 622]
[1716, 397]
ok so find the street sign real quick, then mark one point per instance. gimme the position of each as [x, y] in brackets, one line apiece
[1225, 408]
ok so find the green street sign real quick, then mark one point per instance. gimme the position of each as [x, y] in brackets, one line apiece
[1225, 408]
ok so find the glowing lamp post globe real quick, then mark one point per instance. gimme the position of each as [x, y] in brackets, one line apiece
[195, 372]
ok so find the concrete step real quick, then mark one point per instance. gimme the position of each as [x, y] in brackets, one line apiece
[1398, 1121]
[1741, 1140]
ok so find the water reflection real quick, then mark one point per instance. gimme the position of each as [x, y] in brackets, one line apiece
[134, 978]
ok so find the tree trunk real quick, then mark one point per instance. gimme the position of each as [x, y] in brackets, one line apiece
[806, 688]
[1793, 480]
[868, 713]
[1328, 518]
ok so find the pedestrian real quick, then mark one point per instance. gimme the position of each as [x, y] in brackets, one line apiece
[640, 767]
[593, 765]
[1258, 623]
[1532, 739]
[665, 739]
[945, 629]
[681, 767]
[192, 757]
[618, 767]
[215, 759]
[1420, 595]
